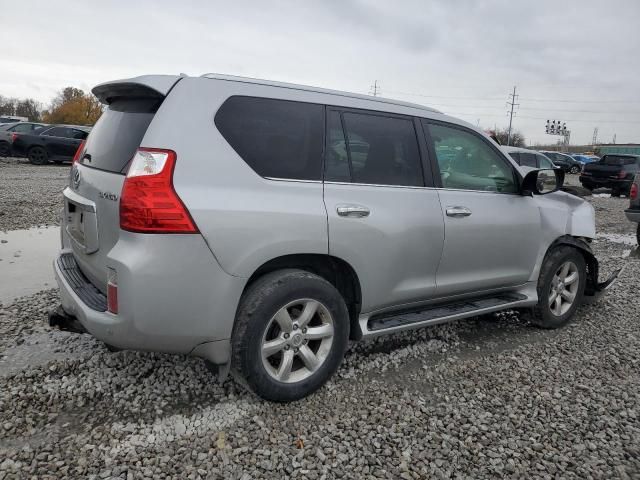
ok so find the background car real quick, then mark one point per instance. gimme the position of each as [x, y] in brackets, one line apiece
[56, 143]
[633, 212]
[613, 171]
[584, 159]
[564, 161]
[529, 158]
[8, 129]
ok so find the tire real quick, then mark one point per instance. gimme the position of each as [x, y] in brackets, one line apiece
[575, 169]
[5, 149]
[256, 326]
[638, 234]
[543, 314]
[38, 156]
[615, 192]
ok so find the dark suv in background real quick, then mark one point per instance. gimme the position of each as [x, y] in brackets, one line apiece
[10, 130]
[56, 143]
[564, 161]
[612, 171]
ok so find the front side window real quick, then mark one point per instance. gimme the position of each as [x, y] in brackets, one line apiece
[467, 162]
[276, 138]
[56, 132]
[381, 150]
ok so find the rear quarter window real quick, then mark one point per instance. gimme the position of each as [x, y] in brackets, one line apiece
[276, 138]
[117, 134]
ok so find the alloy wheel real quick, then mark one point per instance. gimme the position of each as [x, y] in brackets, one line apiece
[297, 340]
[564, 288]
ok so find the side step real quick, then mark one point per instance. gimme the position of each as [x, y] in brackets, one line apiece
[443, 311]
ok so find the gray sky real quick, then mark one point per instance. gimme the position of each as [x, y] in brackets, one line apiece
[575, 61]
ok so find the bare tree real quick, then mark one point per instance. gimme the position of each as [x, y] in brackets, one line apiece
[517, 138]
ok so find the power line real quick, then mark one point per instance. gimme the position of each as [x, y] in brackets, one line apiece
[475, 114]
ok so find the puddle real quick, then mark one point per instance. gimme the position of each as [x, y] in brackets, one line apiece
[26, 258]
[623, 238]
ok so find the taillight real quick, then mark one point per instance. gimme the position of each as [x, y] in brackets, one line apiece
[149, 203]
[112, 291]
[77, 156]
[13, 137]
[633, 194]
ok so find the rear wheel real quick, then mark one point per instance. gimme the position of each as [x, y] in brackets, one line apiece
[5, 149]
[575, 169]
[560, 287]
[38, 156]
[291, 331]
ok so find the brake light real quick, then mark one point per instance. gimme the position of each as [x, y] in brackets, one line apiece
[13, 137]
[149, 203]
[78, 155]
[633, 194]
[112, 291]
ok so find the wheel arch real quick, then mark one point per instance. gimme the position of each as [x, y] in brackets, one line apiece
[335, 270]
[590, 259]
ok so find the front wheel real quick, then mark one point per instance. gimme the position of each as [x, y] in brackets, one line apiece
[38, 156]
[575, 169]
[5, 149]
[560, 287]
[291, 332]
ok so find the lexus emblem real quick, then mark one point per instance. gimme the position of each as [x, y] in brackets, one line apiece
[75, 177]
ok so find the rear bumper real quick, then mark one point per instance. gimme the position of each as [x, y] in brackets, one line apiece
[166, 302]
[633, 215]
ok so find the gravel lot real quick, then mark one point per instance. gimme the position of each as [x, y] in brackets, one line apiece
[30, 195]
[490, 397]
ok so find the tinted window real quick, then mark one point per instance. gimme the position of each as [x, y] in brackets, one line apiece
[117, 134]
[277, 138]
[382, 150]
[544, 162]
[466, 161]
[79, 134]
[528, 160]
[336, 158]
[515, 156]
[616, 160]
[23, 127]
[56, 132]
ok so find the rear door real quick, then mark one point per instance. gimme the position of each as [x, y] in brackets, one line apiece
[492, 233]
[384, 220]
[91, 222]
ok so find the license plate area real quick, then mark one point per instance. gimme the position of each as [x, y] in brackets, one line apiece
[81, 222]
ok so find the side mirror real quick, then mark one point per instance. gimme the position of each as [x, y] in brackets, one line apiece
[542, 181]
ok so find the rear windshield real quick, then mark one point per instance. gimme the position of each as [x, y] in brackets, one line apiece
[117, 134]
[616, 160]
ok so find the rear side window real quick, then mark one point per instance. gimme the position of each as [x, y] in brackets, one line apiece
[117, 134]
[276, 138]
[379, 150]
[56, 132]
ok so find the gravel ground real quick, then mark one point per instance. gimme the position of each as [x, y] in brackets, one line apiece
[490, 397]
[30, 195]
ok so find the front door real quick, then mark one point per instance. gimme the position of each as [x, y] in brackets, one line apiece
[383, 220]
[492, 233]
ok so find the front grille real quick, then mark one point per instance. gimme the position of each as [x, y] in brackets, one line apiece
[80, 284]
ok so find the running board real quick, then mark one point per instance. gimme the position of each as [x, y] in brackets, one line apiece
[442, 312]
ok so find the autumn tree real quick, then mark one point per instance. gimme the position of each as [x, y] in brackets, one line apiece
[75, 107]
[517, 138]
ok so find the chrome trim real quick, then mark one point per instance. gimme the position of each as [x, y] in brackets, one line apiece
[294, 180]
[79, 201]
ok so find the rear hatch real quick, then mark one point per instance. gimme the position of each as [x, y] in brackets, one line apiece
[609, 166]
[91, 223]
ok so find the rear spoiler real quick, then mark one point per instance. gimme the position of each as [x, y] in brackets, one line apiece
[147, 86]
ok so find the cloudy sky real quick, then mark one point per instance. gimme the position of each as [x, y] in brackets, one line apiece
[576, 61]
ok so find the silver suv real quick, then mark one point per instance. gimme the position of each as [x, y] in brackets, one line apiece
[275, 222]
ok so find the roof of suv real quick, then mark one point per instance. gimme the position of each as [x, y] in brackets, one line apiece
[293, 86]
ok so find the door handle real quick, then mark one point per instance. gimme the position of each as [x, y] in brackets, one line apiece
[458, 212]
[354, 211]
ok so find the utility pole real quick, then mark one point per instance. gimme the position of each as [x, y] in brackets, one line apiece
[375, 89]
[594, 140]
[512, 103]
